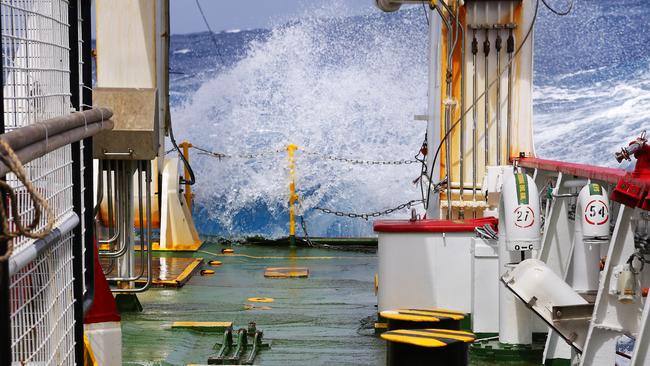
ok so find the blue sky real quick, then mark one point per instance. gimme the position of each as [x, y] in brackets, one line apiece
[244, 14]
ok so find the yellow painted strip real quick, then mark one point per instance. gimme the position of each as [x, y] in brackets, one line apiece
[381, 326]
[418, 314]
[171, 283]
[433, 313]
[201, 325]
[428, 337]
[174, 247]
[189, 269]
[89, 355]
[286, 272]
[260, 299]
[393, 315]
[438, 310]
[422, 342]
[279, 257]
[439, 333]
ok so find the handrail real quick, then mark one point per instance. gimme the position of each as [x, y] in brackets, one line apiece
[604, 174]
[22, 258]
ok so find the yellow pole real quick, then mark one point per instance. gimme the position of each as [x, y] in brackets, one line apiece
[188, 189]
[291, 149]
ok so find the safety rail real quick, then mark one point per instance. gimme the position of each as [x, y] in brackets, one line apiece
[294, 200]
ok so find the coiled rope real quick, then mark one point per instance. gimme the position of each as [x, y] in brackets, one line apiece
[9, 158]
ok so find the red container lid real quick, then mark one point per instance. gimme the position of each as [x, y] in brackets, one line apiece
[433, 226]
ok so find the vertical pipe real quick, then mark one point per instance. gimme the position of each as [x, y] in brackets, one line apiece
[486, 98]
[433, 110]
[510, 48]
[474, 116]
[497, 47]
[125, 192]
[148, 169]
[109, 199]
[141, 218]
[89, 215]
[291, 149]
[188, 188]
[462, 111]
[448, 109]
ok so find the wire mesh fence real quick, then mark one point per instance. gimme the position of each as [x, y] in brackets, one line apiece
[36, 86]
[42, 302]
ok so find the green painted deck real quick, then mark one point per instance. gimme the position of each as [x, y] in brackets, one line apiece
[323, 319]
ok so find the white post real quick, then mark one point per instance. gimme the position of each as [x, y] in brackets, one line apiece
[433, 110]
[514, 317]
[519, 224]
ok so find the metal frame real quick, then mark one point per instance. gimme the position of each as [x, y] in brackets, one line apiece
[82, 167]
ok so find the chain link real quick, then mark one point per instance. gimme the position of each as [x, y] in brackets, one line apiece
[220, 156]
[368, 215]
[358, 161]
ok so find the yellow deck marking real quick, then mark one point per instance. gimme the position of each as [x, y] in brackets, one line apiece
[457, 335]
[188, 270]
[438, 310]
[260, 299]
[202, 325]
[421, 315]
[276, 257]
[428, 337]
[286, 272]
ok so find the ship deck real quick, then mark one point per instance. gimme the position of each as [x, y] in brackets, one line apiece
[326, 318]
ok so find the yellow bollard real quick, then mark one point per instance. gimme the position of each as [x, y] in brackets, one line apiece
[188, 189]
[291, 149]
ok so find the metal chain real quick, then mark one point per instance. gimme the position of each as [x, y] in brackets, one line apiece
[359, 161]
[303, 225]
[220, 156]
[368, 215]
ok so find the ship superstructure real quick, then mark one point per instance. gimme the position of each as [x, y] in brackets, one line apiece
[518, 259]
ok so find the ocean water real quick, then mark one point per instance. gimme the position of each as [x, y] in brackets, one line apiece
[350, 86]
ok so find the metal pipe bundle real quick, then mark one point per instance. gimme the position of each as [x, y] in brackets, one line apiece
[33, 141]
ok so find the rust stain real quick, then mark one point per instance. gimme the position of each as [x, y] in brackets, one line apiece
[454, 139]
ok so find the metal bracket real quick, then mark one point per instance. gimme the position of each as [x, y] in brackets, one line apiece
[563, 313]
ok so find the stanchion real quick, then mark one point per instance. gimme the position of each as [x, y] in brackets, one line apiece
[291, 149]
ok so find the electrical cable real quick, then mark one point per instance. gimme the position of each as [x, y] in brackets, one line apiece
[185, 162]
[426, 15]
[560, 13]
[477, 99]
